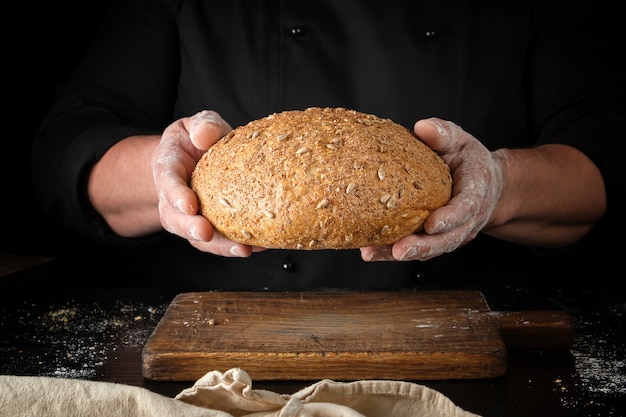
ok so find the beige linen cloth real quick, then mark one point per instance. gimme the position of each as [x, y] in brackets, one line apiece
[218, 394]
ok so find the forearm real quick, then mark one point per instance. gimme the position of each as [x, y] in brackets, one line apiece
[121, 187]
[552, 196]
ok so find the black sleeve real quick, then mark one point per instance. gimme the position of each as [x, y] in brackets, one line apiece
[104, 101]
[577, 86]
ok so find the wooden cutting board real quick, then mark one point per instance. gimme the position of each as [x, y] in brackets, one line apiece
[413, 335]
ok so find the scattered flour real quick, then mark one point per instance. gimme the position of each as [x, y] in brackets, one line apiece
[73, 339]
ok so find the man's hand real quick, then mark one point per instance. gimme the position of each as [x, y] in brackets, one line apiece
[182, 145]
[477, 187]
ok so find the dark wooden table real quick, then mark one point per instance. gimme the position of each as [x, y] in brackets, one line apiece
[99, 334]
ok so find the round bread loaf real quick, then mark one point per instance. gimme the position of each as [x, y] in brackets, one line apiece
[321, 178]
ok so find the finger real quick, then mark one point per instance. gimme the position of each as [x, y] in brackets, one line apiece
[460, 210]
[377, 253]
[440, 135]
[222, 246]
[422, 246]
[172, 163]
[173, 188]
[191, 227]
[205, 128]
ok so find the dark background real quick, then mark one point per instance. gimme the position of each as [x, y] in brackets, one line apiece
[41, 44]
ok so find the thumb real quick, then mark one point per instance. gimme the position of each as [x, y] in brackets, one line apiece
[440, 135]
[205, 128]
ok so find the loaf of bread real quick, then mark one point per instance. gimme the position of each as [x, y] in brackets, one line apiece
[321, 178]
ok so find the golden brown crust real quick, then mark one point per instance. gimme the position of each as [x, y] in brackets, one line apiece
[322, 178]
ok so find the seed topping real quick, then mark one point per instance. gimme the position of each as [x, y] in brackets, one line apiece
[392, 202]
[418, 185]
[322, 204]
[302, 150]
[224, 202]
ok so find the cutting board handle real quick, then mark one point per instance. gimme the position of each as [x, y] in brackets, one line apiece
[536, 329]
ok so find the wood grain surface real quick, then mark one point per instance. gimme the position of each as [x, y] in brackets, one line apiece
[406, 335]
[336, 335]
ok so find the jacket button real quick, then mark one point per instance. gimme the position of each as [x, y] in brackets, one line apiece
[431, 35]
[289, 266]
[297, 31]
[421, 277]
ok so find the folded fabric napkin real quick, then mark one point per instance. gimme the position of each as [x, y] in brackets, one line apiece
[218, 394]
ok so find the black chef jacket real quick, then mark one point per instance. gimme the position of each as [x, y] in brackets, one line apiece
[513, 74]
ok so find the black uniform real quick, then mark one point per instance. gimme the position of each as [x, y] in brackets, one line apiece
[513, 74]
